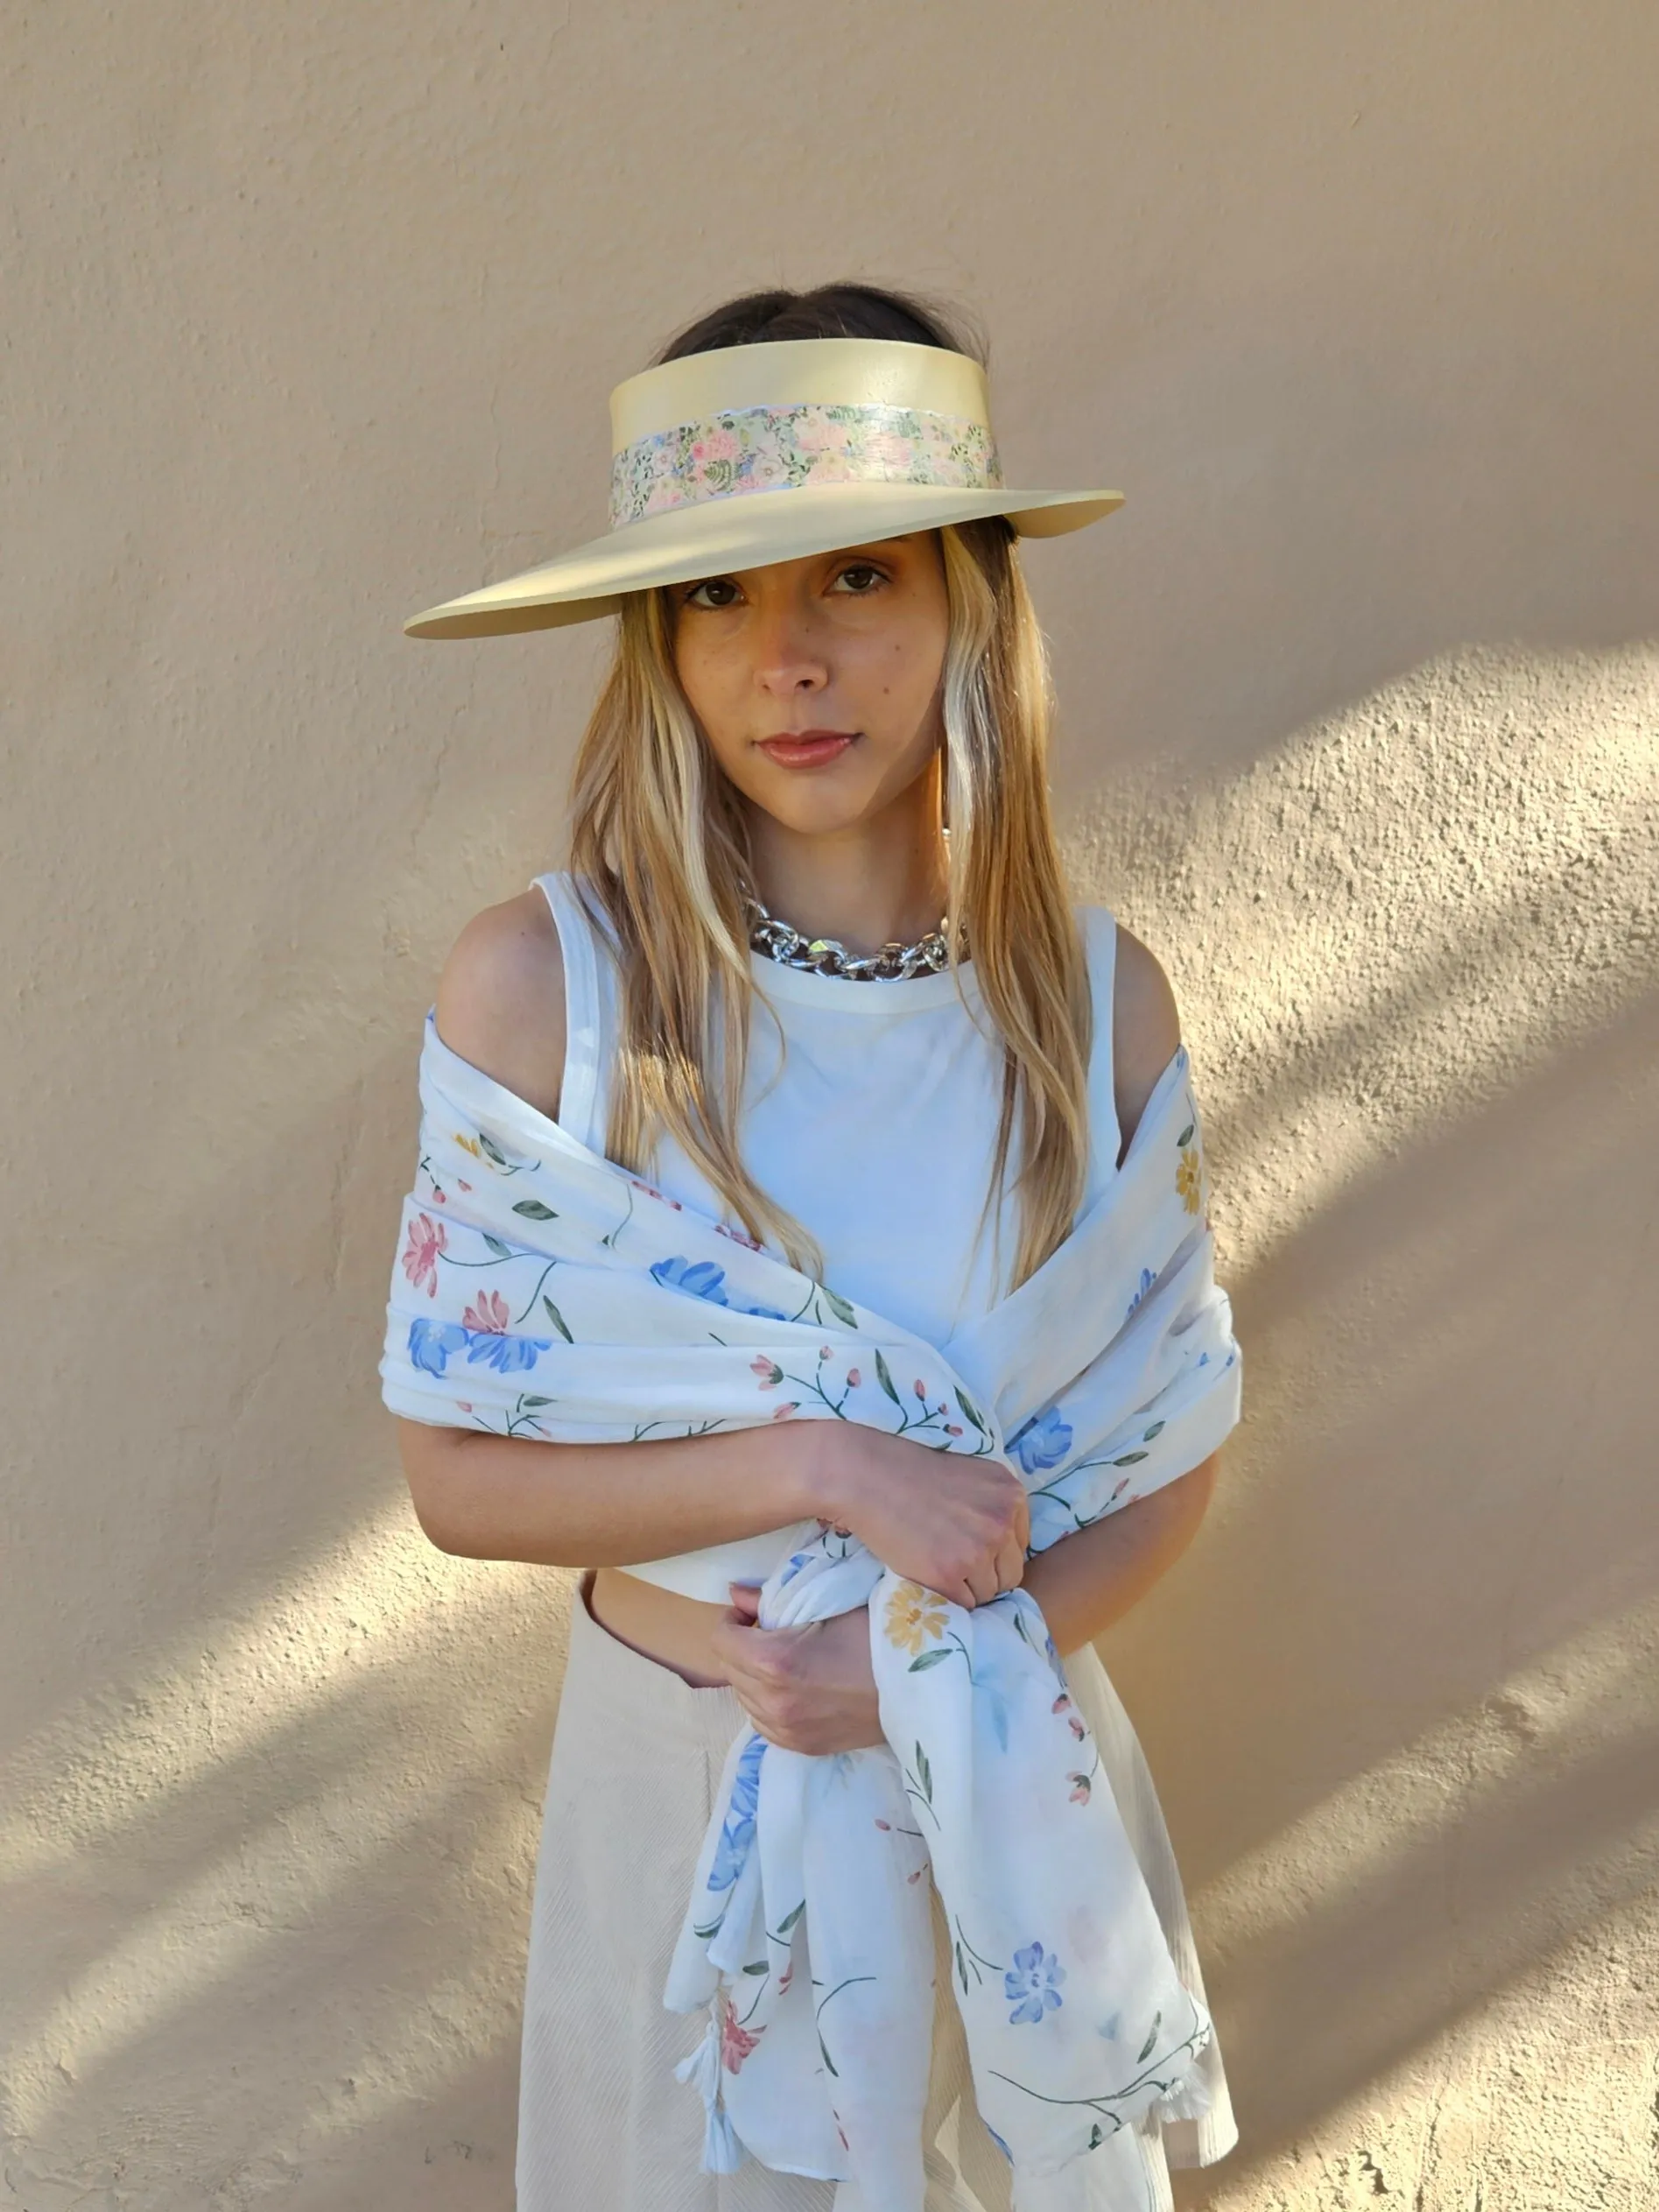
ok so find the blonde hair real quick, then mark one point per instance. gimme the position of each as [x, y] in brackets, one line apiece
[659, 838]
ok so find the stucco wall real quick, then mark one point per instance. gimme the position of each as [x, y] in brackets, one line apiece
[311, 313]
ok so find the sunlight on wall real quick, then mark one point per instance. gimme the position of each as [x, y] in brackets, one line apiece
[251, 1775]
[1388, 921]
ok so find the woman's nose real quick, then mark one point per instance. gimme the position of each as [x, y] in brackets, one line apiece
[788, 657]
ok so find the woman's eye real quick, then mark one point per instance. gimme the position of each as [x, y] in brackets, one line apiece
[713, 591]
[861, 579]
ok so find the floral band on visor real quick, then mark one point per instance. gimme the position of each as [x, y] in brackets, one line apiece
[780, 449]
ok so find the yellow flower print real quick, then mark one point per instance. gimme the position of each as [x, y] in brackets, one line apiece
[914, 1615]
[1188, 1176]
[469, 1145]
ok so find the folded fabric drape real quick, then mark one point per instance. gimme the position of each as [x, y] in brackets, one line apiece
[542, 1290]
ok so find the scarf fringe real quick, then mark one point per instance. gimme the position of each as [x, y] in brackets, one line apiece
[722, 2153]
[1190, 2099]
[1190, 2102]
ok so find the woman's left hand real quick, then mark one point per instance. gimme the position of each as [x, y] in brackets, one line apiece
[810, 1688]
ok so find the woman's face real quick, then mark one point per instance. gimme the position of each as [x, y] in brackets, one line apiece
[840, 652]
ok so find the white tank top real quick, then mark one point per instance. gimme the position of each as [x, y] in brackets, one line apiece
[872, 1119]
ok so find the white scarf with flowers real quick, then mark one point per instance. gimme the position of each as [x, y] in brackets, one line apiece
[542, 1290]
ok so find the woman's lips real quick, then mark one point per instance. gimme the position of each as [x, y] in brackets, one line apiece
[807, 748]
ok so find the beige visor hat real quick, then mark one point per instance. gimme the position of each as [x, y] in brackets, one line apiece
[753, 453]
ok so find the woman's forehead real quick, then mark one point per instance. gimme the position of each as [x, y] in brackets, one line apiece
[908, 547]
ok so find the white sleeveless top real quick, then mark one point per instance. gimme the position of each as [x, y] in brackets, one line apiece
[872, 1118]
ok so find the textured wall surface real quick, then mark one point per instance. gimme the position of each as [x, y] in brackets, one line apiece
[311, 314]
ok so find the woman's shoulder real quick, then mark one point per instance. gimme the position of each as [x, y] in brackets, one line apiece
[1146, 1021]
[501, 998]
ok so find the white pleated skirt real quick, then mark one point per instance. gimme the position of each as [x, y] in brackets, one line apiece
[603, 2126]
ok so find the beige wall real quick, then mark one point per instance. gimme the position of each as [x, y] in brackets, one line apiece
[310, 316]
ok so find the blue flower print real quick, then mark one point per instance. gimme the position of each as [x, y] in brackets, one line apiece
[1032, 1979]
[431, 1344]
[737, 1835]
[508, 1354]
[997, 2139]
[1042, 1442]
[1147, 1280]
[703, 1279]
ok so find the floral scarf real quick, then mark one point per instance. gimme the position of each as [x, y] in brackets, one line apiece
[543, 1290]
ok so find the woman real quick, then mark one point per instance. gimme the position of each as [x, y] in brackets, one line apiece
[825, 652]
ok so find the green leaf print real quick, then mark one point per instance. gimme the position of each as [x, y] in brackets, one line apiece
[1095, 2137]
[839, 1307]
[500, 1251]
[1147, 1435]
[924, 1774]
[535, 1401]
[1128, 1459]
[789, 1919]
[967, 1406]
[1186, 1138]
[758, 1966]
[827, 2060]
[884, 1377]
[556, 1318]
[491, 1150]
[533, 1210]
[1145, 2051]
[927, 1659]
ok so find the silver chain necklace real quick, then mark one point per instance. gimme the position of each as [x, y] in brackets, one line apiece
[781, 942]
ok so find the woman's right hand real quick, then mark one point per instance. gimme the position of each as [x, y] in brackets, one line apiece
[954, 1524]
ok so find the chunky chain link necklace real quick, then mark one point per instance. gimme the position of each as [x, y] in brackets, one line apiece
[781, 942]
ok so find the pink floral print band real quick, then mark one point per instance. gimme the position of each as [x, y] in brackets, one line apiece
[780, 449]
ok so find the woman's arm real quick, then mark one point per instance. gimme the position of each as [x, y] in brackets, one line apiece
[1092, 1578]
[510, 1497]
[501, 1005]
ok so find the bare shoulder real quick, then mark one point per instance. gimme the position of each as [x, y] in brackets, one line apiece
[501, 998]
[1146, 1028]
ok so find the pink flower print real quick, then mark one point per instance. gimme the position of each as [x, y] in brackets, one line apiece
[652, 1191]
[461, 1186]
[823, 1351]
[782, 1412]
[735, 2041]
[1080, 1786]
[489, 1317]
[950, 1429]
[1076, 1726]
[1060, 1703]
[771, 1374]
[921, 1392]
[721, 444]
[464, 1406]
[853, 1378]
[886, 1827]
[427, 1239]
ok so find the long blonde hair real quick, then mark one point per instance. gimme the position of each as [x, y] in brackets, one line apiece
[659, 837]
